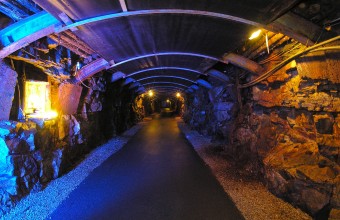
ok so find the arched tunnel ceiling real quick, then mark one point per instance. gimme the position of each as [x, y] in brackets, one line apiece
[139, 44]
[147, 39]
[185, 73]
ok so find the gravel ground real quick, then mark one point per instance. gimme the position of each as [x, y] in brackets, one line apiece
[41, 204]
[250, 196]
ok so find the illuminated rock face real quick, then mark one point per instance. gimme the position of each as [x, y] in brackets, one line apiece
[302, 164]
[34, 152]
[288, 131]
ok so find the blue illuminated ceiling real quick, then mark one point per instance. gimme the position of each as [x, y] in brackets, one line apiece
[145, 38]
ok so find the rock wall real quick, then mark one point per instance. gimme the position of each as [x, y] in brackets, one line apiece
[212, 112]
[34, 152]
[301, 108]
[286, 131]
[7, 88]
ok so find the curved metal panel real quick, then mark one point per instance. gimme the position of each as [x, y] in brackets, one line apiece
[174, 88]
[164, 68]
[170, 83]
[161, 11]
[168, 54]
[171, 77]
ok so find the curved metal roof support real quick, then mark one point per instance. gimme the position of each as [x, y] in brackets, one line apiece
[171, 83]
[164, 68]
[164, 88]
[171, 77]
[274, 26]
[167, 54]
[161, 11]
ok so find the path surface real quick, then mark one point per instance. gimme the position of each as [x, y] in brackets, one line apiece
[157, 175]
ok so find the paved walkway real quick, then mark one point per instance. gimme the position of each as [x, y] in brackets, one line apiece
[157, 175]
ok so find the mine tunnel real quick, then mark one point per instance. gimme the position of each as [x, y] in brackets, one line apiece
[123, 109]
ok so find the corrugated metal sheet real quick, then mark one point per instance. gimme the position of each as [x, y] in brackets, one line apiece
[123, 38]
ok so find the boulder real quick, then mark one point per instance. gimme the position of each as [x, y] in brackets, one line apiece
[27, 170]
[8, 184]
[18, 146]
[51, 166]
[334, 214]
[335, 200]
[312, 199]
[222, 111]
[5, 128]
[69, 129]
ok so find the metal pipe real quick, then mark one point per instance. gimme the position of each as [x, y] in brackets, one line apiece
[288, 60]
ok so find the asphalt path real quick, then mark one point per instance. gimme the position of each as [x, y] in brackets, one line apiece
[157, 175]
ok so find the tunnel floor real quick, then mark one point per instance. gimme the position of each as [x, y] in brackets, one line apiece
[157, 175]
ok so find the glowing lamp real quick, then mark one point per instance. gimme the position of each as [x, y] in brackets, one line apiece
[167, 100]
[37, 102]
[150, 93]
[255, 34]
[178, 94]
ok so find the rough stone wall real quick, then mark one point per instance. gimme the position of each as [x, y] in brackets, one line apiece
[7, 88]
[34, 152]
[212, 112]
[286, 132]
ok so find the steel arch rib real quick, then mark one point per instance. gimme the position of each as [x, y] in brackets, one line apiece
[164, 68]
[161, 11]
[160, 76]
[168, 54]
[171, 83]
[166, 87]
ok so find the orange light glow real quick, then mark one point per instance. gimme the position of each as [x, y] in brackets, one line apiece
[37, 100]
[43, 115]
[255, 34]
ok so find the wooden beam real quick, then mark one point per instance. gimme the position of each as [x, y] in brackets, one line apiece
[4, 52]
[278, 8]
[298, 28]
[243, 63]
[26, 31]
[67, 20]
[123, 5]
[89, 70]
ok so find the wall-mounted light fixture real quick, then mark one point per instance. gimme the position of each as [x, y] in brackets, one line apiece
[256, 34]
[178, 94]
